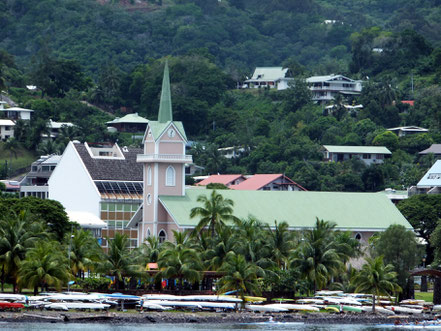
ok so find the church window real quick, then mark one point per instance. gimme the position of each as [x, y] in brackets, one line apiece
[162, 236]
[149, 176]
[170, 176]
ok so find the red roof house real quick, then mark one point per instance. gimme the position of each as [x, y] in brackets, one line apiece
[227, 180]
[268, 182]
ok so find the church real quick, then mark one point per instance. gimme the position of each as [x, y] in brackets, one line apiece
[167, 203]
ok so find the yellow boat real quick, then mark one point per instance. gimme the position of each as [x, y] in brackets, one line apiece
[254, 299]
[334, 309]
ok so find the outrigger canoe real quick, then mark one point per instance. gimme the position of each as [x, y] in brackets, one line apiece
[11, 305]
[348, 308]
[265, 308]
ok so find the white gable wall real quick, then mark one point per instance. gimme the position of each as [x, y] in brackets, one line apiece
[72, 186]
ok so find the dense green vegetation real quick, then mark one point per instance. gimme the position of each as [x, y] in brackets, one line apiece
[251, 257]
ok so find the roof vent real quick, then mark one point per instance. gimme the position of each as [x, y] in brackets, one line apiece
[76, 142]
[125, 149]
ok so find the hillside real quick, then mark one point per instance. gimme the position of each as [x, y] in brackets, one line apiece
[240, 34]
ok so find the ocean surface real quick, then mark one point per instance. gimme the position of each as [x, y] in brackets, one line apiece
[202, 327]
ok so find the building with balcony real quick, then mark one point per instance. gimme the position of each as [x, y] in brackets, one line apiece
[129, 123]
[15, 113]
[103, 180]
[35, 183]
[269, 77]
[326, 88]
[6, 129]
[167, 204]
[367, 154]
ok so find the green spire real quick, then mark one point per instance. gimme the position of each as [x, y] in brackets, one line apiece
[165, 106]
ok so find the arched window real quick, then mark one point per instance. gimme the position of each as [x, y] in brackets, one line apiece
[358, 236]
[149, 176]
[162, 236]
[149, 199]
[170, 176]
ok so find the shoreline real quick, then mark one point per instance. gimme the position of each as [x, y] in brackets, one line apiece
[199, 317]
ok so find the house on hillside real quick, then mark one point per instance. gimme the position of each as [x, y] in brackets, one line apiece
[6, 129]
[16, 113]
[226, 180]
[434, 149]
[270, 77]
[129, 123]
[325, 88]
[167, 204]
[103, 180]
[402, 131]
[430, 183]
[35, 183]
[368, 154]
[231, 152]
[268, 182]
[55, 128]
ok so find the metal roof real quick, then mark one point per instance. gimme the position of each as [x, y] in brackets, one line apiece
[318, 79]
[357, 149]
[435, 149]
[17, 109]
[6, 123]
[432, 177]
[268, 74]
[258, 181]
[86, 220]
[130, 118]
[351, 211]
[221, 179]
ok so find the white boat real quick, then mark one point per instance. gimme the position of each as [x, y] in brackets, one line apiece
[378, 309]
[224, 298]
[328, 293]
[293, 307]
[436, 307]
[77, 305]
[265, 308]
[12, 297]
[154, 306]
[404, 310]
[69, 297]
[314, 301]
[161, 297]
[195, 304]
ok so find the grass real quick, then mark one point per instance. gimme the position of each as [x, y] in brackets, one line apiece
[426, 296]
[22, 159]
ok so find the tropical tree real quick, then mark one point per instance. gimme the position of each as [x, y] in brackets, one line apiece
[118, 262]
[215, 212]
[317, 257]
[377, 279]
[84, 251]
[45, 265]
[149, 250]
[18, 233]
[240, 276]
[280, 242]
[224, 243]
[180, 262]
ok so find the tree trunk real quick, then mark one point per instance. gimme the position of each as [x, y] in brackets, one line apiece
[423, 284]
[437, 291]
[373, 303]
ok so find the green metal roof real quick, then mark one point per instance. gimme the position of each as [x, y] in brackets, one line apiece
[357, 149]
[165, 105]
[130, 118]
[351, 211]
[158, 128]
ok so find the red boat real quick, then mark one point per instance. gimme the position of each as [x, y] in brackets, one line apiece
[11, 306]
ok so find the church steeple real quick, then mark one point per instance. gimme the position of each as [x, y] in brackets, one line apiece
[165, 106]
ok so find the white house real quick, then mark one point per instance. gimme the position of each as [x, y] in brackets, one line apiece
[55, 127]
[271, 77]
[402, 131]
[35, 183]
[368, 154]
[16, 113]
[325, 88]
[6, 129]
[430, 183]
[103, 180]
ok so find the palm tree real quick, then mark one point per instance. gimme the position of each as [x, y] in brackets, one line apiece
[149, 251]
[224, 243]
[84, 251]
[180, 262]
[118, 262]
[18, 233]
[11, 145]
[240, 275]
[280, 242]
[316, 256]
[215, 211]
[45, 265]
[377, 279]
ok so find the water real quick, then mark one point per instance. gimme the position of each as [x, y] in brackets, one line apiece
[195, 327]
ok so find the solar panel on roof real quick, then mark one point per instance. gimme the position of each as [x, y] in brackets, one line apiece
[119, 187]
